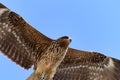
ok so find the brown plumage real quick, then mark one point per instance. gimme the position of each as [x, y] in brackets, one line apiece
[26, 46]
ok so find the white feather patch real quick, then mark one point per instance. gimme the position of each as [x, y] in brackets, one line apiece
[2, 10]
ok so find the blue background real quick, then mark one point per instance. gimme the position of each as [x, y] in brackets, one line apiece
[92, 24]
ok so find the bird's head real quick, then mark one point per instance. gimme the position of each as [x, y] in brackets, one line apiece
[64, 41]
[59, 47]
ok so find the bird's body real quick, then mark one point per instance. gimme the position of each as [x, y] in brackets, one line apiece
[47, 64]
[52, 59]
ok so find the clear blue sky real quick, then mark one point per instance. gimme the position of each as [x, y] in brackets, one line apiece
[92, 24]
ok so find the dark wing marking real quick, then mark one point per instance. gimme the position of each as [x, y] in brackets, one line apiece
[18, 40]
[84, 65]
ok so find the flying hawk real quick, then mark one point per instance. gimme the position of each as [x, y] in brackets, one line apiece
[52, 59]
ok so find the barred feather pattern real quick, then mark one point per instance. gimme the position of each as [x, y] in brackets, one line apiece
[10, 43]
[85, 65]
[16, 39]
[25, 45]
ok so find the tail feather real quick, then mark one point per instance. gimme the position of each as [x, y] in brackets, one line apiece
[34, 76]
[30, 77]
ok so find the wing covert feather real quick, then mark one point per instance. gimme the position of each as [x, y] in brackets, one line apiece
[19, 40]
[85, 65]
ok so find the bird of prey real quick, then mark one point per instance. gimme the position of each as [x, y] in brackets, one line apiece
[52, 59]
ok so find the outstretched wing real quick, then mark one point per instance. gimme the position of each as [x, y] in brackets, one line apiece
[83, 65]
[18, 40]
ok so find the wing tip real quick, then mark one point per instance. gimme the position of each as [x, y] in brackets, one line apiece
[2, 6]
